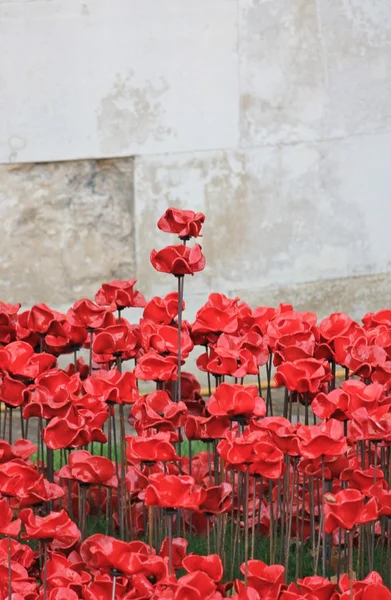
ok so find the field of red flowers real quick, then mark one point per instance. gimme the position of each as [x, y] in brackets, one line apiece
[278, 489]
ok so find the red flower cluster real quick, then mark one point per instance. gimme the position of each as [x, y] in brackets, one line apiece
[289, 444]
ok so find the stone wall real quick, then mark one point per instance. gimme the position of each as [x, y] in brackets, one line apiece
[271, 116]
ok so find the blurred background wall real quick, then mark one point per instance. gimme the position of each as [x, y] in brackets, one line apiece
[271, 116]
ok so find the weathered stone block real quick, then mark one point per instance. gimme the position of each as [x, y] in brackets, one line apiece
[65, 227]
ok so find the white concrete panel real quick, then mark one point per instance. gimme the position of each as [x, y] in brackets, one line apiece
[282, 72]
[99, 78]
[356, 38]
[274, 216]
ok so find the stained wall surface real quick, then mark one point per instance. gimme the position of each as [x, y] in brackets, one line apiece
[271, 116]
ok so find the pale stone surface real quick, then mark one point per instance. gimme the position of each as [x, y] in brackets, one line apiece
[101, 78]
[65, 228]
[287, 214]
[271, 116]
[357, 45]
[282, 77]
[354, 296]
[314, 69]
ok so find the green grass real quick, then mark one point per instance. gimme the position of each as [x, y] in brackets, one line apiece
[198, 544]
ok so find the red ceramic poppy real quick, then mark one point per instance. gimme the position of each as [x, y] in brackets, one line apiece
[333, 466]
[21, 449]
[382, 317]
[135, 480]
[383, 497]
[332, 405]
[245, 592]
[218, 499]
[184, 223]
[144, 563]
[8, 322]
[13, 392]
[179, 549]
[218, 315]
[233, 400]
[56, 526]
[289, 323]
[23, 333]
[346, 509]
[56, 380]
[362, 479]
[95, 414]
[178, 260]
[172, 491]
[7, 525]
[374, 425]
[63, 574]
[263, 315]
[102, 588]
[64, 338]
[248, 359]
[105, 553]
[86, 468]
[196, 586]
[318, 588]
[327, 438]
[156, 410]
[266, 580]
[249, 341]
[23, 587]
[115, 340]
[269, 461]
[18, 358]
[336, 326]
[67, 431]
[362, 395]
[206, 428]
[41, 318]
[155, 367]
[240, 450]
[289, 348]
[201, 467]
[20, 553]
[381, 336]
[162, 310]
[80, 368]
[225, 361]
[282, 432]
[62, 593]
[164, 338]
[150, 449]
[190, 390]
[363, 357]
[21, 481]
[304, 375]
[211, 565]
[372, 579]
[87, 314]
[120, 293]
[112, 386]
[41, 405]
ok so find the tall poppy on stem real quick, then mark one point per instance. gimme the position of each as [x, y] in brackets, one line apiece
[180, 260]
